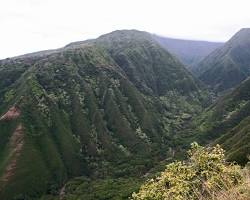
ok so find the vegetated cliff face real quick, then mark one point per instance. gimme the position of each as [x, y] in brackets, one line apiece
[228, 65]
[228, 122]
[104, 107]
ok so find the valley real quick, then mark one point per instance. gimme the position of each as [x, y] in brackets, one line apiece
[98, 118]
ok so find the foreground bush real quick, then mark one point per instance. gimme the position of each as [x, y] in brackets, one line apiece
[205, 175]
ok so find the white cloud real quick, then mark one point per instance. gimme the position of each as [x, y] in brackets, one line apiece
[32, 25]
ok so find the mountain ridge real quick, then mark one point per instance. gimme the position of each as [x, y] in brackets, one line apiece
[227, 66]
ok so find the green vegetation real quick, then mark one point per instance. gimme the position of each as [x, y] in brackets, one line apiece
[83, 188]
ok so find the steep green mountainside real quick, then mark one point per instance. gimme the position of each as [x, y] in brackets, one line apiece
[110, 107]
[227, 66]
[227, 122]
[189, 52]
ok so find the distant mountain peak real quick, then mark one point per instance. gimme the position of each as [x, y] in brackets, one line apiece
[125, 31]
[126, 34]
[242, 36]
[244, 30]
[117, 35]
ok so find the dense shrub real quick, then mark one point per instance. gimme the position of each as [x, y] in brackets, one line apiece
[203, 176]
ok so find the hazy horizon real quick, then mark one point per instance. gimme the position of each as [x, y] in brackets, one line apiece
[34, 25]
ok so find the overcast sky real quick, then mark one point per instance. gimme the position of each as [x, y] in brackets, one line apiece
[32, 25]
